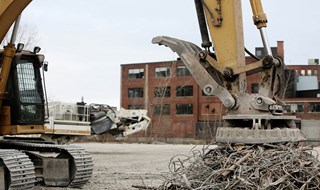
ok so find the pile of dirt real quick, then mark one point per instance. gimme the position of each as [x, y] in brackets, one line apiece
[268, 166]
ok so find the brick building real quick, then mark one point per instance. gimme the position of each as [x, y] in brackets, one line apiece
[178, 107]
[170, 94]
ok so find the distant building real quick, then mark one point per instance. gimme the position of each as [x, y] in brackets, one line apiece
[179, 109]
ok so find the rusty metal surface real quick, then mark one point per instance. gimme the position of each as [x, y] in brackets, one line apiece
[277, 166]
[258, 136]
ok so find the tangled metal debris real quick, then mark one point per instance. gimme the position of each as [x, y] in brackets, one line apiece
[260, 167]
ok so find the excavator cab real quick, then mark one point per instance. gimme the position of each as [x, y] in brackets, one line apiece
[24, 92]
[23, 100]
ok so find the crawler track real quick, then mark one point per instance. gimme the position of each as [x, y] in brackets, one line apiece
[84, 166]
[20, 169]
[81, 161]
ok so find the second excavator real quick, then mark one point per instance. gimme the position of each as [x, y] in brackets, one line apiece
[220, 69]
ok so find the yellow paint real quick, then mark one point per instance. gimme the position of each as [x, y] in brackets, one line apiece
[67, 132]
[9, 11]
[21, 129]
[228, 38]
[5, 117]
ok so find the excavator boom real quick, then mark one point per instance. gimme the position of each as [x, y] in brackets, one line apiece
[9, 12]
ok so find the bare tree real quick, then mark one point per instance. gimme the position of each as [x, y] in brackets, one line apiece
[161, 87]
[27, 34]
[159, 109]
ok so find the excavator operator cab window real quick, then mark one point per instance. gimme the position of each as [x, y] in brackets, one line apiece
[27, 83]
[25, 92]
[29, 94]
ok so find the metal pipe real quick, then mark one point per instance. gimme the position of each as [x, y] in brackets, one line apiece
[202, 24]
[265, 42]
[15, 30]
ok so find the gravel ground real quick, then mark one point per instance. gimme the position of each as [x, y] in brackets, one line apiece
[119, 166]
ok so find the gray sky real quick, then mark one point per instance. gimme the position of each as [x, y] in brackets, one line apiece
[86, 41]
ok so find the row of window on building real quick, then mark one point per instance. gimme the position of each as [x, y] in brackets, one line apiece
[183, 71]
[307, 72]
[299, 107]
[165, 109]
[187, 109]
[159, 72]
[181, 91]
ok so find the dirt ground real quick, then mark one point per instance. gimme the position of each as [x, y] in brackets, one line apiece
[119, 166]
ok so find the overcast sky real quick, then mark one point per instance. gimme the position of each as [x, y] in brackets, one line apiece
[85, 42]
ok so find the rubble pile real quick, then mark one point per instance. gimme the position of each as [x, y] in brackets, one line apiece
[265, 166]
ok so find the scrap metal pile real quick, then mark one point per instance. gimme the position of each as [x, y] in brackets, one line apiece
[265, 166]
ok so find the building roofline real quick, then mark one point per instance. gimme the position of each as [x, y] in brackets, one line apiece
[153, 62]
[302, 65]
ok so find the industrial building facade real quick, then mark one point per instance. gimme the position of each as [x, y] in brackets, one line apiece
[178, 107]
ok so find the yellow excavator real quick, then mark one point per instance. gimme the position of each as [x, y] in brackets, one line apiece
[220, 69]
[31, 128]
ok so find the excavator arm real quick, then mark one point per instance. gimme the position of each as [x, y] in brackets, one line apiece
[220, 69]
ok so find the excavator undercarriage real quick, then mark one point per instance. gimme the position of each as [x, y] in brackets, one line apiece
[22, 165]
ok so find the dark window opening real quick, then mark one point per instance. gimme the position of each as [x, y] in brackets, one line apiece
[135, 107]
[135, 92]
[254, 88]
[162, 109]
[163, 91]
[184, 91]
[184, 109]
[314, 107]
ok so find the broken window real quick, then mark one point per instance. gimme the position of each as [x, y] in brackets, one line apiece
[183, 71]
[162, 109]
[163, 91]
[136, 73]
[162, 72]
